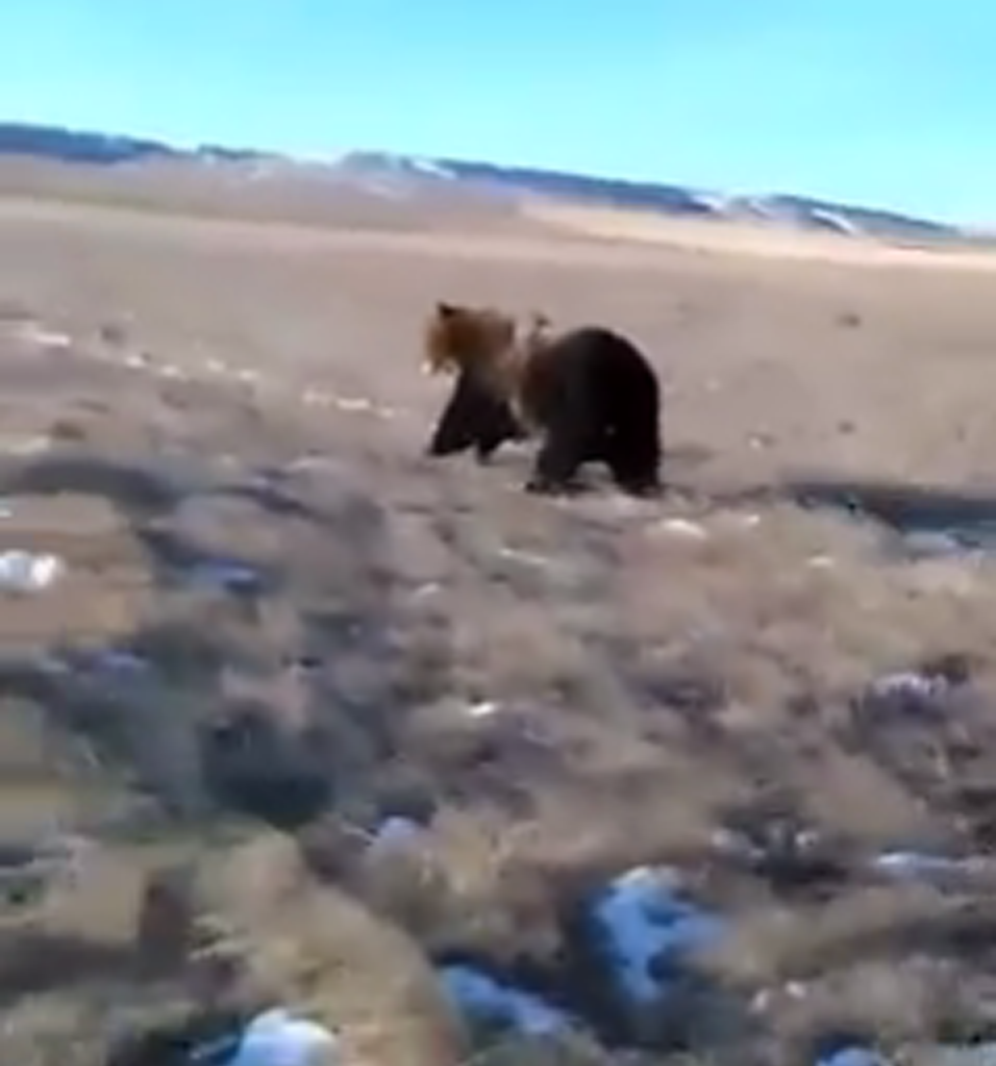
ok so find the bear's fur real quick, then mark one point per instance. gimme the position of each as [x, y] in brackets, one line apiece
[588, 393]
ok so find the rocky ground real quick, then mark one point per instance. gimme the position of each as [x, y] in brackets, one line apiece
[292, 715]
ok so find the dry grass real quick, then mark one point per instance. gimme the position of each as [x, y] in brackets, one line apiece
[648, 686]
[767, 240]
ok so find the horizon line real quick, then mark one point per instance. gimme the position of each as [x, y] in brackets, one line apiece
[333, 156]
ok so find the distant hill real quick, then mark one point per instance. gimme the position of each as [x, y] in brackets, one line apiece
[397, 175]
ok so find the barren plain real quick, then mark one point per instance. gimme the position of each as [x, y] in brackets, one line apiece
[278, 625]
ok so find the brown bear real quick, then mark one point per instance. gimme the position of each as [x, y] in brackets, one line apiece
[588, 393]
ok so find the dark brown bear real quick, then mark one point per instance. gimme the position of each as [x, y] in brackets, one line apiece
[588, 394]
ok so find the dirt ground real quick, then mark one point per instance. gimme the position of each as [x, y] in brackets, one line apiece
[181, 395]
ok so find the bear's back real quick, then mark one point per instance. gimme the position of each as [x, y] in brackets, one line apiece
[593, 359]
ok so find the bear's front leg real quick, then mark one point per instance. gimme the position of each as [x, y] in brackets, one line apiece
[455, 431]
[496, 424]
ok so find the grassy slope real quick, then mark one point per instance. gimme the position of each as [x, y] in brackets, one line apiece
[649, 683]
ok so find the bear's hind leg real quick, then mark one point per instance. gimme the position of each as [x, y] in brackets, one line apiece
[633, 455]
[558, 460]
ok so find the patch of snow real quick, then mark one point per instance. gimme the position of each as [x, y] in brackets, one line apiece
[423, 165]
[22, 571]
[395, 831]
[277, 1038]
[908, 685]
[717, 202]
[481, 998]
[764, 1000]
[852, 1056]
[353, 403]
[29, 446]
[311, 462]
[761, 207]
[35, 333]
[821, 562]
[483, 709]
[647, 923]
[520, 556]
[726, 842]
[838, 221]
[919, 866]
[682, 528]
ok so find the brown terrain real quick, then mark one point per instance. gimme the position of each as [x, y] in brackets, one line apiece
[278, 624]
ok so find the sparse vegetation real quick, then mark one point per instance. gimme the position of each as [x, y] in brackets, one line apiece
[280, 626]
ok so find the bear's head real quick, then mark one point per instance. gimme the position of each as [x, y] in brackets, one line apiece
[474, 340]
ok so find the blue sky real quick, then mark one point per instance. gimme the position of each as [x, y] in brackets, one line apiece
[887, 102]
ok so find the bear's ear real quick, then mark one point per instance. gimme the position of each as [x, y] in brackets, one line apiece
[539, 322]
[446, 310]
